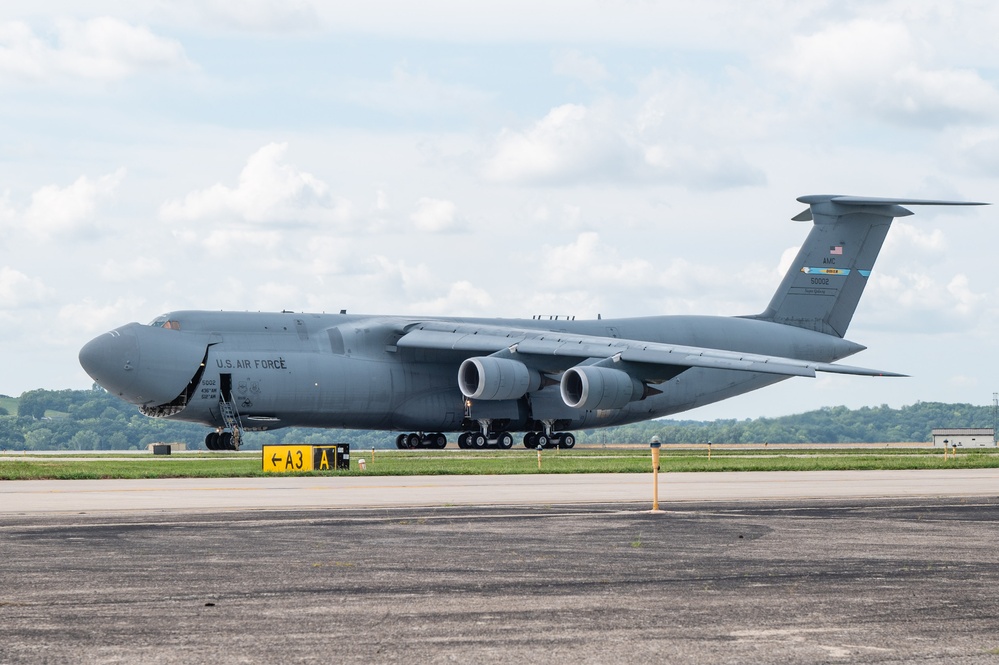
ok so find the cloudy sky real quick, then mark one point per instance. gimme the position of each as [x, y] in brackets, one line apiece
[620, 157]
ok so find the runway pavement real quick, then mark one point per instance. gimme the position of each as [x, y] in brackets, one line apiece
[33, 496]
[868, 567]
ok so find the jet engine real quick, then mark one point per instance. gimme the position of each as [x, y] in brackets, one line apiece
[496, 378]
[590, 387]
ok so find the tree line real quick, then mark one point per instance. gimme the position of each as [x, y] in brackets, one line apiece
[94, 420]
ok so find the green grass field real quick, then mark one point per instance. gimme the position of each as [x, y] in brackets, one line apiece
[452, 462]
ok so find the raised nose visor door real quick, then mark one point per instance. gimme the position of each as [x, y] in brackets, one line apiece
[145, 365]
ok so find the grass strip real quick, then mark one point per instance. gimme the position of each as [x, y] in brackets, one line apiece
[495, 462]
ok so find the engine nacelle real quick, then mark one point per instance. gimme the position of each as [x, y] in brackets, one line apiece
[496, 378]
[589, 387]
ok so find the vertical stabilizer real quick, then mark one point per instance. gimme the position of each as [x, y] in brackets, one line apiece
[822, 288]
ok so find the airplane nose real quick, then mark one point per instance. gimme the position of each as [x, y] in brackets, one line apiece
[143, 365]
[111, 359]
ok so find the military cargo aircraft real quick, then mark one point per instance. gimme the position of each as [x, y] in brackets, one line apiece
[486, 379]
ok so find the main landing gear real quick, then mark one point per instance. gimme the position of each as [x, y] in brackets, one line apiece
[223, 440]
[421, 440]
[478, 440]
[549, 440]
[231, 435]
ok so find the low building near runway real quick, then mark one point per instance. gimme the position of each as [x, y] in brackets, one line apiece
[964, 437]
[174, 447]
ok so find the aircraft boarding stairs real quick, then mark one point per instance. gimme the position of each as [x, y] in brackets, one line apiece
[232, 434]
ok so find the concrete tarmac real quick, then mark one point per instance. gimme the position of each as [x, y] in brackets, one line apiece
[900, 568]
[282, 493]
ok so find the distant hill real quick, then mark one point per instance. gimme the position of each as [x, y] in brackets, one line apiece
[8, 405]
[94, 420]
[837, 424]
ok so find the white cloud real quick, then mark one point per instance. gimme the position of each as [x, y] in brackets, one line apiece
[573, 64]
[571, 143]
[589, 261]
[7, 212]
[69, 211]
[974, 149]
[269, 191]
[593, 273]
[18, 290]
[905, 240]
[409, 92]
[964, 300]
[672, 132]
[104, 48]
[277, 295]
[128, 271]
[877, 67]
[262, 15]
[909, 299]
[703, 167]
[88, 317]
[436, 216]
[462, 298]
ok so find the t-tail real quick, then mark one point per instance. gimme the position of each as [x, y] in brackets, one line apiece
[824, 284]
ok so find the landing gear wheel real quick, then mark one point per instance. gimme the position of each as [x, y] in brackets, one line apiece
[225, 441]
[530, 440]
[478, 440]
[413, 440]
[566, 440]
[438, 440]
[542, 440]
[400, 441]
[212, 441]
[504, 440]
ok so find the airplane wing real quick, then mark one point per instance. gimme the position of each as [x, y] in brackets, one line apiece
[556, 351]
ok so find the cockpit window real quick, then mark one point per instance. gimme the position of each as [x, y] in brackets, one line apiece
[164, 322]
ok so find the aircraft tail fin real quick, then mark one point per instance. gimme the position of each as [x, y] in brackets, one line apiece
[824, 284]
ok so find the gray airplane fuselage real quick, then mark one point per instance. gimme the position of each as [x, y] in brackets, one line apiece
[338, 370]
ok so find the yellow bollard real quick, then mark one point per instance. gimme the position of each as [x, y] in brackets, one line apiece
[709, 450]
[655, 475]
[539, 458]
[372, 455]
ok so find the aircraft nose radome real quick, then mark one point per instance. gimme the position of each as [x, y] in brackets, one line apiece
[111, 360]
[142, 364]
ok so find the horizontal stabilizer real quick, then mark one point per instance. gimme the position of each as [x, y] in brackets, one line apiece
[882, 201]
[874, 201]
[856, 371]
